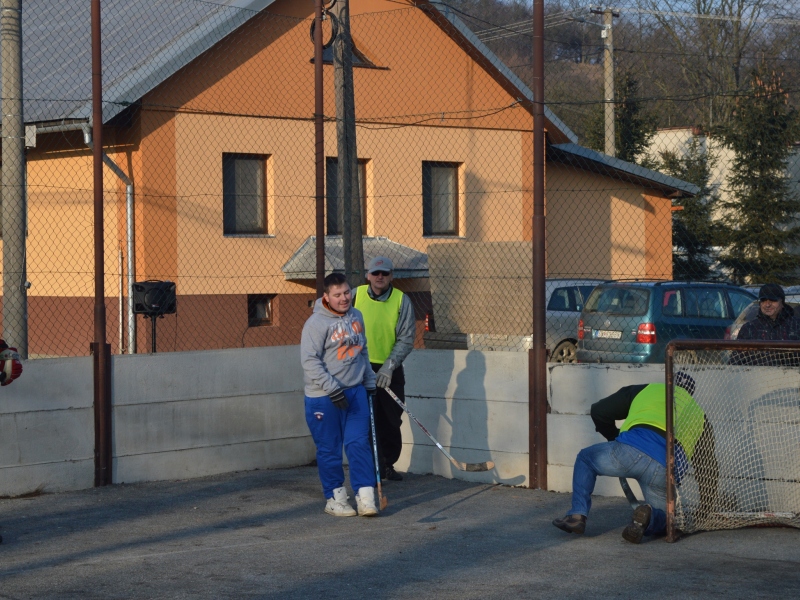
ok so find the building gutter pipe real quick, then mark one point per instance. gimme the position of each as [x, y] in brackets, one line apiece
[86, 128]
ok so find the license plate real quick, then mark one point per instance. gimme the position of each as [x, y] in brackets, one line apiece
[606, 335]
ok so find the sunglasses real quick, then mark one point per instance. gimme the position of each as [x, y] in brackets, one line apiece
[381, 273]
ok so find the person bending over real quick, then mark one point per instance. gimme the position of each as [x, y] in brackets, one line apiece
[638, 450]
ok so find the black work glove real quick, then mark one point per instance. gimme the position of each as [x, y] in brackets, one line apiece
[338, 399]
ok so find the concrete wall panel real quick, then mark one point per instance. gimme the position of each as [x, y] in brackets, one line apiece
[204, 461]
[190, 414]
[174, 415]
[573, 389]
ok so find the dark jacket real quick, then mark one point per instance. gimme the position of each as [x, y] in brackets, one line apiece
[786, 326]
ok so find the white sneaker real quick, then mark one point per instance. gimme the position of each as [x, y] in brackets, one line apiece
[338, 506]
[365, 499]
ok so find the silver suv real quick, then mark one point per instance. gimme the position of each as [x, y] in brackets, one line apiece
[565, 299]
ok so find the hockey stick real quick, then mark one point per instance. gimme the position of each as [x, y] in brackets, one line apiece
[383, 502]
[484, 466]
[629, 493]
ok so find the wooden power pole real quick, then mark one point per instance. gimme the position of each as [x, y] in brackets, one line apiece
[608, 75]
[15, 285]
[349, 199]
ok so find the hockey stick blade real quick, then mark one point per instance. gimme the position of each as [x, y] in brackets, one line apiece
[461, 466]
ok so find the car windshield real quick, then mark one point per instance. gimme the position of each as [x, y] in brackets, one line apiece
[619, 300]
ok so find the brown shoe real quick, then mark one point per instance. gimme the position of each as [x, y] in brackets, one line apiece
[634, 532]
[571, 523]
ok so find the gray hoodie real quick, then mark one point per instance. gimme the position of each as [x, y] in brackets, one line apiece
[333, 352]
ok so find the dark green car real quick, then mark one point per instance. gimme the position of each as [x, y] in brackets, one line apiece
[632, 322]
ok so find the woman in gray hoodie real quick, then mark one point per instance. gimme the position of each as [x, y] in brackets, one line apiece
[338, 377]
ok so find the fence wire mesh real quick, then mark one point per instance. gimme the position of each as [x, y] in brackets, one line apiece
[735, 463]
[672, 157]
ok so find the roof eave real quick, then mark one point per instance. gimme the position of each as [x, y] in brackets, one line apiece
[585, 158]
[557, 130]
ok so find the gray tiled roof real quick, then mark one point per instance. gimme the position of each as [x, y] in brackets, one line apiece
[407, 261]
[144, 42]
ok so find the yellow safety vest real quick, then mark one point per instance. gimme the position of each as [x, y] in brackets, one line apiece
[380, 322]
[649, 408]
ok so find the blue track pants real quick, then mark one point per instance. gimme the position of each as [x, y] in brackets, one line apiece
[331, 428]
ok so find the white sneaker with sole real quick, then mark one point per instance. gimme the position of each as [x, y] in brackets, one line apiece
[365, 499]
[338, 506]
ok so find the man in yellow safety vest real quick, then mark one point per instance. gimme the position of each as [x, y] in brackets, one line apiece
[390, 328]
[638, 450]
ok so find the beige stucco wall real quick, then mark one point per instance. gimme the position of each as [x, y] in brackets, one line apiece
[213, 263]
[603, 227]
[60, 241]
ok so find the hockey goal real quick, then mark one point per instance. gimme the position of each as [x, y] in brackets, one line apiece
[742, 464]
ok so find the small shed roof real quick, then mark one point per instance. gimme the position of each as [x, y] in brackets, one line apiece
[408, 262]
[591, 160]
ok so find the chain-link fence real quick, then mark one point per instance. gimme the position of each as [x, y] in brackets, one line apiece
[671, 155]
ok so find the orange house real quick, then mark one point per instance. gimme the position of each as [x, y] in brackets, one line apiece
[209, 139]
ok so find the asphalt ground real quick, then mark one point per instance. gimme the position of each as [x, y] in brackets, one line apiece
[263, 534]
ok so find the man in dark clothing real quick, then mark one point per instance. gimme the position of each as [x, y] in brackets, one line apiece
[775, 320]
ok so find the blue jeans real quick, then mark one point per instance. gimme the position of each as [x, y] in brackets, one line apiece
[330, 428]
[614, 459]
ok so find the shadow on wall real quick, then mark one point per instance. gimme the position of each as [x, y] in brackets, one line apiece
[457, 412]
[470, 414]
[439, 371]
[470, 420]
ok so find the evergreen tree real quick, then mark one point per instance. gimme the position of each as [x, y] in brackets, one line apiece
[760, 233]
[634, 127]
[693, 229]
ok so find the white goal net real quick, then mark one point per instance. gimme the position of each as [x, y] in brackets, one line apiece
[741, 466]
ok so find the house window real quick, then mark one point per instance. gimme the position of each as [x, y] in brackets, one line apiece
[332, 195]
[259, 309]
[244, 193]
[440, 198]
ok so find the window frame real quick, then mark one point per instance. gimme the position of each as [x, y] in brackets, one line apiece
[263, 160]
[427, 199]
[253, 300]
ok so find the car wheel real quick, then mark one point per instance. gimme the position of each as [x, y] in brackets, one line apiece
[565, 353]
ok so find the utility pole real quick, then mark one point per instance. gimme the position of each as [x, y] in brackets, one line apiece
[15, 284]
[101, 349]
[349, 200]
[319, 149]
[537, 355]
[608, 73]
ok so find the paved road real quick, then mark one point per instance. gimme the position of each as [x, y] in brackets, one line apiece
[263, 534]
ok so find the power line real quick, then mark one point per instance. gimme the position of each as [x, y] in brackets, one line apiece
[667, 13]
[526, 27]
